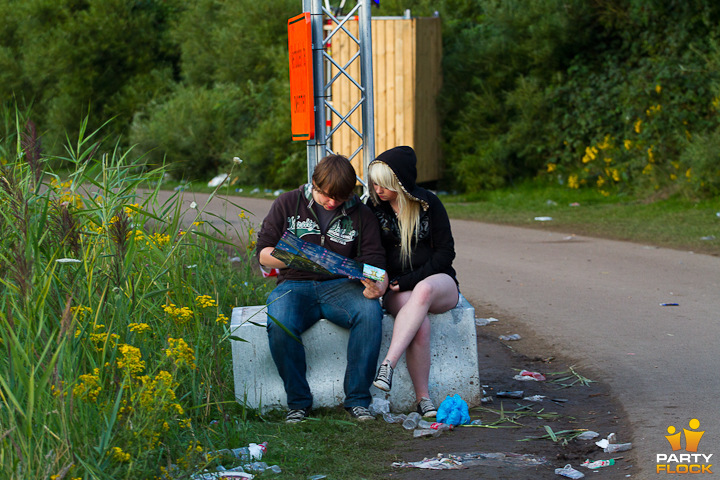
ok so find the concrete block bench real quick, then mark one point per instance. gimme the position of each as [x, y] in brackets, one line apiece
[454, 367]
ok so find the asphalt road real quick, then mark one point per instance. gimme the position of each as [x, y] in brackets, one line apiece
[598, 303]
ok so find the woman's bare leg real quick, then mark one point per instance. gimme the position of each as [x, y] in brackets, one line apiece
[435, 294]
[417, 357]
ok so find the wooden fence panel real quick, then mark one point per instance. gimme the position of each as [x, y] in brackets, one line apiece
[407, 77]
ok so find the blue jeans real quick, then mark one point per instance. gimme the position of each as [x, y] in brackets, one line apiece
[298, 305]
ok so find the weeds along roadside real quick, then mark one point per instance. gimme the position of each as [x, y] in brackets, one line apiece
[113, 318]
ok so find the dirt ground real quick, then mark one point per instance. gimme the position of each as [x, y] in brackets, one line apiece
[590, 407]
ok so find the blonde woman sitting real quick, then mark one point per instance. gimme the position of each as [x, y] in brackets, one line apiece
[416, 234]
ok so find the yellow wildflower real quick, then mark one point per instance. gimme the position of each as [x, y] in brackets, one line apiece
[80, 311]
[653, 110]
[139, 327]
[628, 144]
[131, 359]
[551, 167]
[573, 181]
[600, 181]
[181, 353]
[120, 456]
[221, 319]
[651, 155]
[178, 314]
[132, 208]
[658, 89]
[205, 301]
[606, 143]
[638, 125]
[648, 169]
[590, 154]
[159, 239]
[89, 387]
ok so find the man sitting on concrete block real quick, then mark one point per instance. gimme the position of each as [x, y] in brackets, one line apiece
[328, 213]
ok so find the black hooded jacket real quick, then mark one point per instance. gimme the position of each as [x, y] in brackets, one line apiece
[434, 250]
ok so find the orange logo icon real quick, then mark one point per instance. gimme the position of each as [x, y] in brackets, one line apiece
[692, 437]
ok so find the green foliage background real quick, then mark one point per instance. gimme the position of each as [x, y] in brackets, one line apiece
[550, 90]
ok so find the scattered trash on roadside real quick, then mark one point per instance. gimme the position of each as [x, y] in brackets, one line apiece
[465, 460]
[669, 304]
[277, 193]
[552, 203]
[272, 273]
[708, 237]
[481, 322]
[617, 447]
[589, 435]
[512, 337]
[379, 406]
[238, 190]
[543, 219]
[610, 445]
[526, 375]
[511, 394]
[535, 398]
[255, 190]
[569, 472]
[394, 417]
[439, 463]
[317, 477]
[251, 452]
[476, 422]
[454, 411]
[575, 204]
[412, 421]
[235, 260]
[236, 472]
[433, 429]
[218, 180]
[597, 463]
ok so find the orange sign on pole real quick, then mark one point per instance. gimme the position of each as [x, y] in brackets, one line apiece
[302, 99]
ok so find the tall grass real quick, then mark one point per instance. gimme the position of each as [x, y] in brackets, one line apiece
[113, 316]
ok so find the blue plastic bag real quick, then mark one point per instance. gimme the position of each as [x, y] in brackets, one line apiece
[453, 411]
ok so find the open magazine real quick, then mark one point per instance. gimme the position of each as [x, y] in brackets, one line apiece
[302, 255]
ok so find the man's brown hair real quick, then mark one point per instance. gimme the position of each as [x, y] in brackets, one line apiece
[334, 176]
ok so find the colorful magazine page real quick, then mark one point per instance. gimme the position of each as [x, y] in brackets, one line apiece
[302, 255]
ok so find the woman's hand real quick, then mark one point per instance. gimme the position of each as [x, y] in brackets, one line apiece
[374, 289]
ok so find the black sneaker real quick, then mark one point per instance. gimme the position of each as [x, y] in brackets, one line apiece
[426, 408]
[360, 413]
[383, 379]
[296, 415]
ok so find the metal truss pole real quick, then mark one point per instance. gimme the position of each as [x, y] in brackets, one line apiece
[320, 146]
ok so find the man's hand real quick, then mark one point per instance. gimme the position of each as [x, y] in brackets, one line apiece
[268, 261]
[374, 289]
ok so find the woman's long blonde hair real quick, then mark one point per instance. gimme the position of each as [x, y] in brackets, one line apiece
[409, 210]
